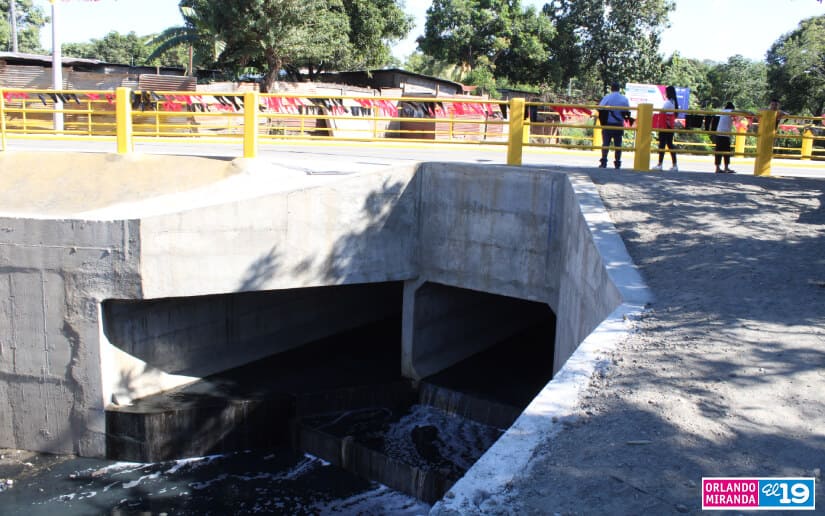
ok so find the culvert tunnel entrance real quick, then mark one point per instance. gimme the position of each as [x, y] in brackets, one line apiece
[342, 397]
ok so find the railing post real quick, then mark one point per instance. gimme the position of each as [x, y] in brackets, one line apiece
[739, 141]
[596, 144]
[528, 128]
[644, 137]
[250, 124]
[514, 143]
[2, 120]
[807, 144]
[123, 121]
[374, 112]
[764, 143]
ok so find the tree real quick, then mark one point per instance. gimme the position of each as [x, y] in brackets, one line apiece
[796, 67]
[475, 33]
[30, 19]
[618, 40]
[129, 49]
[279, 36]
[690, 73]
[197, 37]
[741, 81]
[490, 41]
[528, 57]
[373, 26]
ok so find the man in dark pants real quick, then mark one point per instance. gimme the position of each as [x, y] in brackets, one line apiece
[723, 148]
[612, 121]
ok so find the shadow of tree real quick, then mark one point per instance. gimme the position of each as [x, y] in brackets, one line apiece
[388, 234]
[262, 269]
[726, 247]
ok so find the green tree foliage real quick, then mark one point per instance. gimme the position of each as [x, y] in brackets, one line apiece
[294, 35]
[197, 35]
[30, 19]
[618, 40]
[113, 48]
[373, 26]
[741, 81]
[796, 67]
[690, 73]
[498, 35]
[129, 49]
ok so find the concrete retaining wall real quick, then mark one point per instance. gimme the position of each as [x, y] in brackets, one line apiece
[53, 275]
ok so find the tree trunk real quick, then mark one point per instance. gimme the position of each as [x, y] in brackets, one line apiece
[271, 77]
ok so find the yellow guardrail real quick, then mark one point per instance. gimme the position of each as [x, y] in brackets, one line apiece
[126, 116]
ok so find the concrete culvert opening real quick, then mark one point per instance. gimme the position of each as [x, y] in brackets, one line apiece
[342, 397]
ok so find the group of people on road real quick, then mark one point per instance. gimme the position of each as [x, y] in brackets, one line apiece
[617, 116]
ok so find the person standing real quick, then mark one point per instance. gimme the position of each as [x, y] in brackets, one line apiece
[612, 121]
[775, 105]
[723, 141]
[668, 123]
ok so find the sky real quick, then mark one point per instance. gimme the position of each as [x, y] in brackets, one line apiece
[701, 29]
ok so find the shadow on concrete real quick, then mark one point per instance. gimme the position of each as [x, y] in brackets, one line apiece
[261, 269]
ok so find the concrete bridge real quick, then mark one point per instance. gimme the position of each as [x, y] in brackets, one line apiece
[126, 275]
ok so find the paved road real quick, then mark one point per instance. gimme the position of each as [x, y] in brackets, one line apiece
[326, 157]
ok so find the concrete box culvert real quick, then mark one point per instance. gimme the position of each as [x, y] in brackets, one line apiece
[533, 234]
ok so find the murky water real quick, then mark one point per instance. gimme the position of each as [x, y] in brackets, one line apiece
[431, 441]
[280, 482]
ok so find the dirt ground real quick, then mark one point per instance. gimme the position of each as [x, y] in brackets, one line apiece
[724, 375]
[68, 183]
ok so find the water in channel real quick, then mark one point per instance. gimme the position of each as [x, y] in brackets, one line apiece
[419, 437]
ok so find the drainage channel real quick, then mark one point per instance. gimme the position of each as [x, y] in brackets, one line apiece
[328, 428]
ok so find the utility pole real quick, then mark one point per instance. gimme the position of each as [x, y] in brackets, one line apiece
[13, 24]
[57, 69]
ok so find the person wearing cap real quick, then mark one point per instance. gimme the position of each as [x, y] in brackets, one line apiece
[612, 121]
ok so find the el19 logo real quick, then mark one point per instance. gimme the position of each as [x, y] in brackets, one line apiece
[787, 493]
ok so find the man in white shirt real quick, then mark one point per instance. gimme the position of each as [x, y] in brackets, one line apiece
[612, 121]
[725, 125]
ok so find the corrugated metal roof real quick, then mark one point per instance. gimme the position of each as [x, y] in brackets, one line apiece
[95, 81]
[154, 82]
[38, 58]
[19, 76]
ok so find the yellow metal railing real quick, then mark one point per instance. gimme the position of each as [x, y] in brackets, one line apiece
[128, 116]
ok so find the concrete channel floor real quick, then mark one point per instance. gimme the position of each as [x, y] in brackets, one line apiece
[722, 375]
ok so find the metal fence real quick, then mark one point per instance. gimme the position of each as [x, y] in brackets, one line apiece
[125, 116]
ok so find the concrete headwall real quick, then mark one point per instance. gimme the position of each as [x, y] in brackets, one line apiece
[446, 230]
[360, 229]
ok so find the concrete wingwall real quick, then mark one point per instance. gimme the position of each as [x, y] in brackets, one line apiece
[54, 274]
[512, 231]
[445, 231]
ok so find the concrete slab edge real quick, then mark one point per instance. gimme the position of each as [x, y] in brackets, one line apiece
[485, 488]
